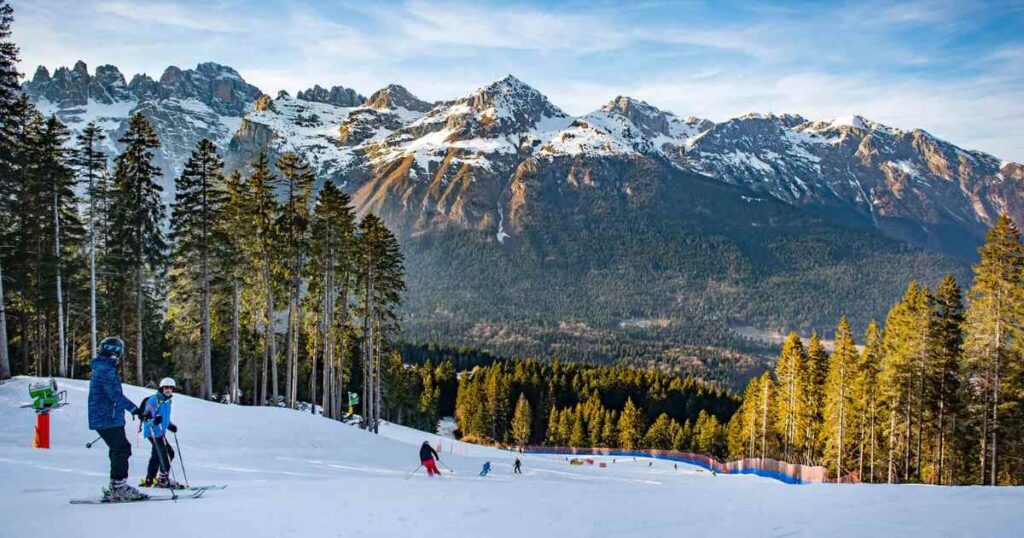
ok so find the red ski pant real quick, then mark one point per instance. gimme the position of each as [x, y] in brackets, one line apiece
[431, 466]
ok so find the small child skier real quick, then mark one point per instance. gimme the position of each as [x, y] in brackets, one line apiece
[155, 430]
[486, 468]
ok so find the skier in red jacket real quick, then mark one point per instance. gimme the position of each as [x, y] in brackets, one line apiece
[428, 457]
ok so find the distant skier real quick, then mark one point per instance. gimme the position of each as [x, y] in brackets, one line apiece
[155, 430]
[428, 457]
[486, 468]
[676, 465]
[107, 404]
[517, 467]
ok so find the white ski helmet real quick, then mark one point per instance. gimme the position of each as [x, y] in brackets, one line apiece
[167, 382]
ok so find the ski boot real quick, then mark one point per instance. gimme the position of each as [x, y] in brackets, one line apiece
[119, 490]
[147, 483]
[164, 481]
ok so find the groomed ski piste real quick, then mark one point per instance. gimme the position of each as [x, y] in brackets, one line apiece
[294, 474]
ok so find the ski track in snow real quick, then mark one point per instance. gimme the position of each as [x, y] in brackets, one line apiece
[295, 474]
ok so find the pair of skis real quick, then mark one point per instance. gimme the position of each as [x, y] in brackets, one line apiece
[191, 492]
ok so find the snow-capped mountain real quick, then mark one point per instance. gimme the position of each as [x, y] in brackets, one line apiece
[183, 105]
[453, 161]
[908, 184]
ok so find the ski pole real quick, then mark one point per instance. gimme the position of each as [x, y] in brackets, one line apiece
[450, 470]
[414, 472]
[94, 441]
[181, 461]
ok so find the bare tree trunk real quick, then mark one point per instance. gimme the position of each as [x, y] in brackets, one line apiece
[5, 359]
[139, 379]
[271, 339]
[873, 428]
[892, 443]
[920, 420]
[92, 266]
[378, 403]
[63, 356]
[297, 334]
[907, 434]
[204, 330]
[233, 378]
[312, 376]
[942, 428]
[764, 420]
[994, 466]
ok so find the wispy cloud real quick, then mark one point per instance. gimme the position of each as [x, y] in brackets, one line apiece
[953, 68]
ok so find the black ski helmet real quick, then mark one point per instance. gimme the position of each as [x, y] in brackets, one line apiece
[112, 346]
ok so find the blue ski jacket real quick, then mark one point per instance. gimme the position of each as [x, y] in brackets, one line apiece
[159, 406]
[107, 402]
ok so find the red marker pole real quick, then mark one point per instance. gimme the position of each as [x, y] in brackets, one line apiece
[42, 438]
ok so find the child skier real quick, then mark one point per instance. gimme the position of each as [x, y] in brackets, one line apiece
[427, 457]
[517, 467]
[107, 404]
[486, 468]
[155, 430]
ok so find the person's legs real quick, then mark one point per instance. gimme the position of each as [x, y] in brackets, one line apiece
[431, 468]
[120, 451]
[154, 462]
[165, 458]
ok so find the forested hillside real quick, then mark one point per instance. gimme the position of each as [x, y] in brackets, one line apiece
[934, 395]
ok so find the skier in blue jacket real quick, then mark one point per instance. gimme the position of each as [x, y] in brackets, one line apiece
[107, 404]
[155, 430]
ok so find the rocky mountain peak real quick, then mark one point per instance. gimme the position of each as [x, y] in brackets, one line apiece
[395, 96]
[510, 106]
[41, 76]
[651, 120]
[337, 95]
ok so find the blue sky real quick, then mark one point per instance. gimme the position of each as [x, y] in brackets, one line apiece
[955, 69]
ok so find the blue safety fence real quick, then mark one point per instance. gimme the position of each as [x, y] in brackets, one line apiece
[790, 473]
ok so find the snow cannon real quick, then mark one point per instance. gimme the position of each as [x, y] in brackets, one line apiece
[45, 398]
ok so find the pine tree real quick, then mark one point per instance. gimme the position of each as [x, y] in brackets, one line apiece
[381, 283]
[9, 90]
[788, 371]
[16, 127]
[578, 433]
[137, 214]
[659, 435]
[91, 165]
[497, 404]
[230, 265]
[332, 265]
[812, 406]
[992, 348]
[522, 421]
[945, 342]
[294, 223]
[866, 399]
[553, 438]
[610, 431]
[262, 253]
[631, 427]
[839, 397]
[198, 207]
[904, 347]
[429, 398]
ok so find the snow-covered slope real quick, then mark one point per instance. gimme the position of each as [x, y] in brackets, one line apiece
[295, 474]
